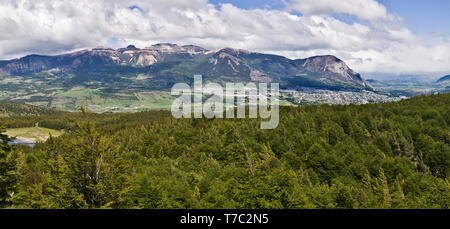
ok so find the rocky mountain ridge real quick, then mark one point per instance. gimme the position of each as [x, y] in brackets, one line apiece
[171, 62]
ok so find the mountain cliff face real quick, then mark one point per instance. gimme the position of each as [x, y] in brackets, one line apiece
[332, 66]
[166, 64]
[129, 56]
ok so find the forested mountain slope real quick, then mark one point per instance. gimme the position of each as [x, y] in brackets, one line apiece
[393, 155]
[20, 109]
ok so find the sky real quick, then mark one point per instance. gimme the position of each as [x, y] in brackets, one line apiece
[423, 17]
[371, 36]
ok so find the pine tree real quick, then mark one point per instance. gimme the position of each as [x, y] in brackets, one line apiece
[8, 179]
[96, 167]
[383, 188]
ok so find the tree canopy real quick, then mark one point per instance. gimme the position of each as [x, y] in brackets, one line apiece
[393, 155]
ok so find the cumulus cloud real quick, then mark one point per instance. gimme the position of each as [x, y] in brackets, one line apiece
[363, 9]
[382, 44]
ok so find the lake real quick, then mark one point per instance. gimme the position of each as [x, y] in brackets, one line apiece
[22, 142]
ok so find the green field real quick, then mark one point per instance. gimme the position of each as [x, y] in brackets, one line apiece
[33, 134]
[102, 101]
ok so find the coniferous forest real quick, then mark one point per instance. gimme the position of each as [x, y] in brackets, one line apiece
[392, 155]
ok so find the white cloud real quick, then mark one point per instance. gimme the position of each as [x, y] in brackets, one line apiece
[363, 9]
[382, 45]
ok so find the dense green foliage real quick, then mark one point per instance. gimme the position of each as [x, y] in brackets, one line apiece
[8, 178]
[18, 109]
[393, 155]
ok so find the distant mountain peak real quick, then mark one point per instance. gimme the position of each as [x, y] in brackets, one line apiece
[182, 62]
[232, 51]
[131, 47]
[330, 65]
[103, 48]
[326, 63]
[443, 79]
[165, 44]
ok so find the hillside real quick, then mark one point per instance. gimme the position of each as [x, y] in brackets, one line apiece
[130, 79]
[19, 109]
[393, 155]
[444, 83]
[160, 66]
[443, 79]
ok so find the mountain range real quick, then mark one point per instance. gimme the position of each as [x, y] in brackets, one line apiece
[444, 79]
[160, 66]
